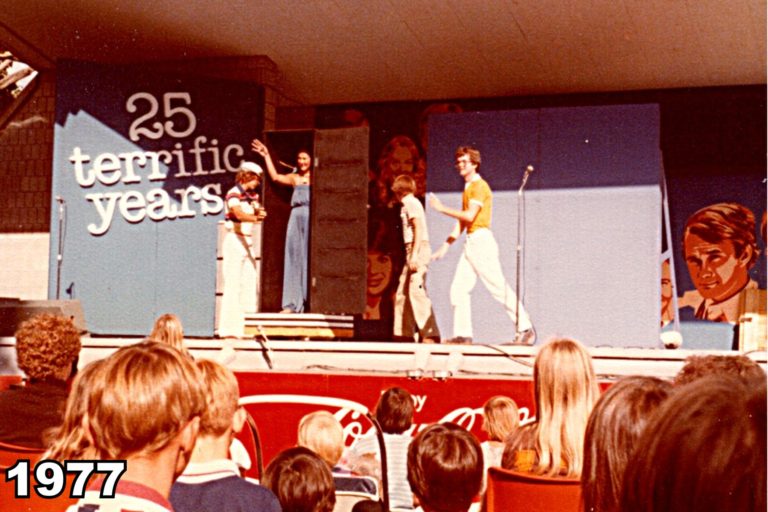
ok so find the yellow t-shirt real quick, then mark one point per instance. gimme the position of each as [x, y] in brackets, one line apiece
[477, 191]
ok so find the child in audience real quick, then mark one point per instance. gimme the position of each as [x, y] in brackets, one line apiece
[301, 481]
[211, 481]
[322, 433]
[565, 390]
[501, 417]
[168, 330]
[394, 412]
[147, 413]
[704, 450]
[71, 441]
[698, 366]
[616, 423]
[445, 468]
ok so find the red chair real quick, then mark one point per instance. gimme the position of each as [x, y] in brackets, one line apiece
[9, 455]
[510, 490]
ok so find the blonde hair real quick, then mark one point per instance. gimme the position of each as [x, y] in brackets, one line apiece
[168, 330]
[566, 390]
[221, 396]
[500, 417]
[70, 440]
[150, 392]
[322, 433]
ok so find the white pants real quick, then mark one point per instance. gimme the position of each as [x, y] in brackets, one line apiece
[239, 283]
[480, 258]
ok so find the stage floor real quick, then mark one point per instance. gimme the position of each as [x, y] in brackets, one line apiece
[389, 358]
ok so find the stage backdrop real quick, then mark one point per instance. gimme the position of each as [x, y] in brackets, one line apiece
[141, 163]
[592, 223]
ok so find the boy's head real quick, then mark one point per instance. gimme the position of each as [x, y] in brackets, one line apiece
[222, 414]
[445, 468]
[403, 185]
[46, 347]
[301, 481]
[394, 411]
[322, 433]
[151, 394]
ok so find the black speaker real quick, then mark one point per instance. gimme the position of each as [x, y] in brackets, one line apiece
[13, 312]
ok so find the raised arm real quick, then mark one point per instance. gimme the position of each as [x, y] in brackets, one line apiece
[258, 147]
[466, 217]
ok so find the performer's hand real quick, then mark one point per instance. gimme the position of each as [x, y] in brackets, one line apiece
[413, 265]
[259, 147]
[438, 254]
[261, 213]
[434, 202]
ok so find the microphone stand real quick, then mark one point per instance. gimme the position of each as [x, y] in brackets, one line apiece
[60, 253]
[518, 255]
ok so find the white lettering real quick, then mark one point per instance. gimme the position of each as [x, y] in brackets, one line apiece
[105, 214]
[133, 206]
[418, 402]
[78, 158]
[212, 202]
[238, 150]
[105, 164]
[159, 207]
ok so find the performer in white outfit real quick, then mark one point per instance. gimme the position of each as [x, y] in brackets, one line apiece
[239, 262]
[480, 257]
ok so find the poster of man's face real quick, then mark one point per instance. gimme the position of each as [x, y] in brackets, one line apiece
[720, 248]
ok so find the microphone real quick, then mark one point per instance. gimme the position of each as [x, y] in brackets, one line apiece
[60, 199]
[529, 169]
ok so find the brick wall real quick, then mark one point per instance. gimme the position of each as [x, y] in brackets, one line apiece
[26, 153]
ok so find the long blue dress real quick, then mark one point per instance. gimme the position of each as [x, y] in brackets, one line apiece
[296, 251]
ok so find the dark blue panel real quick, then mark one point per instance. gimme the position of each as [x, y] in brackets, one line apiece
[569, 147]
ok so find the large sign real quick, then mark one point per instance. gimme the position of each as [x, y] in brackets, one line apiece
[141, 163]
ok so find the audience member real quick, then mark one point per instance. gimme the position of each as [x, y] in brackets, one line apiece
[394, 412]
[698, 366]
[704, 450]
[47, 348]
[301, 481]
[70, 441]
[616, 423]
[168, 330]
[445, 468]
[565, 390]
[322, 433]
[211, 481]
[147, 413]
[501, 417]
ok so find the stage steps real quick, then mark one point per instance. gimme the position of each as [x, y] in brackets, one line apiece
[299, 325]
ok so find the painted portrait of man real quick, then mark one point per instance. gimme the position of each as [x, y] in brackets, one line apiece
[720, 248]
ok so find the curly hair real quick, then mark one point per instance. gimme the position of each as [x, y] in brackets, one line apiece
[46, 346]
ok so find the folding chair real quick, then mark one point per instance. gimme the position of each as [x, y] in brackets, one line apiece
[511, 490]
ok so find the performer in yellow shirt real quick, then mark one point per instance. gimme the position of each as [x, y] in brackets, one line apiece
[480, 257]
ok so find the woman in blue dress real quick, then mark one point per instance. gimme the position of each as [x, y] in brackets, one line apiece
[297, 234]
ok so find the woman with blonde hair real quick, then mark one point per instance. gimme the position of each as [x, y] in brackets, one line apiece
[565, 389]
[169, 331]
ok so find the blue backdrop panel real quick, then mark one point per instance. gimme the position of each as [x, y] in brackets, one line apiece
[592, 219]
[142, 161]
